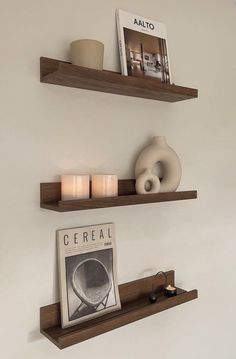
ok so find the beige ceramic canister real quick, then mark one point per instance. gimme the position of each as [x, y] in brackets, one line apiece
[87, 53]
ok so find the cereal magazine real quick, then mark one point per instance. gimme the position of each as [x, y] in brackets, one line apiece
[87, 273]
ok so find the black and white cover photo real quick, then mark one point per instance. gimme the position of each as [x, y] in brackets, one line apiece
[87, 273]
[143, 46]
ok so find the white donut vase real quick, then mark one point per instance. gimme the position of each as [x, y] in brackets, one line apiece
[142, 180]
[158, 152]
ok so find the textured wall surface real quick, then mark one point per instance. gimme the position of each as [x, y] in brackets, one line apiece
[49, 130]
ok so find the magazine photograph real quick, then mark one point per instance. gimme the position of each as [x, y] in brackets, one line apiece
[143, 47]
[87, 273]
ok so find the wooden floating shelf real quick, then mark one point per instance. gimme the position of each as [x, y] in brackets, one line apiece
[135, 306]
[65, 74]
[50, 198]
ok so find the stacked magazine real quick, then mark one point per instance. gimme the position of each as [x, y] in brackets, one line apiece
[143, 46]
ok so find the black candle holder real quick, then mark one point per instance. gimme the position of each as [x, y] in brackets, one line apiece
[170, 291]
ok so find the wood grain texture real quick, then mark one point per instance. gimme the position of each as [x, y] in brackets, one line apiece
[135, 306]
[50, 198]
[65, 74]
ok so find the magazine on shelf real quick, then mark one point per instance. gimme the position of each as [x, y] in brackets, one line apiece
[87, 273]
[143, 46]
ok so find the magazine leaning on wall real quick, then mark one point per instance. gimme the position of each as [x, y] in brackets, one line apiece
[143, 46]
[87, 273]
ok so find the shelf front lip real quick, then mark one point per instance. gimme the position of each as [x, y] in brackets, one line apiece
[61, 341]
[66, 74]
[125, 200]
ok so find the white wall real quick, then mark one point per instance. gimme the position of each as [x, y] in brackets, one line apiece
[48, 130]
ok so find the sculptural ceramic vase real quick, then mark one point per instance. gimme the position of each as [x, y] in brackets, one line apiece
[157, 152]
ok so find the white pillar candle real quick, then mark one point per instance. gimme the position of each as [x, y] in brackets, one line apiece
[104, 186]
[74, 187]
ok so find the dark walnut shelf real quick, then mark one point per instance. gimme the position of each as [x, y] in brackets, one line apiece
[50, 198]
[134, 306]
[65, 74]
